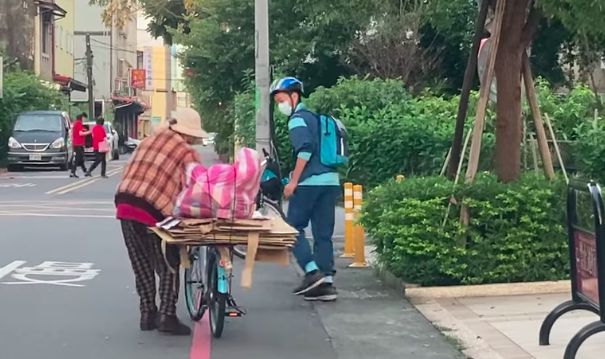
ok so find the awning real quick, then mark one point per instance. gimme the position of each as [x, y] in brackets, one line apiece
[133, 104]
[69, 84]
[50, 6]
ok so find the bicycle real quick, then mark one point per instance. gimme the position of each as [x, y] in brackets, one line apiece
[207, 284]
[268, 200]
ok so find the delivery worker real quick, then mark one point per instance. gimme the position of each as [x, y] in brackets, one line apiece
[153, 178]
[313, 190]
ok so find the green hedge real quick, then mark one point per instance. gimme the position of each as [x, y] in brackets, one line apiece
[24, 92]
[393, 133]
[515, 233]
[390, 132]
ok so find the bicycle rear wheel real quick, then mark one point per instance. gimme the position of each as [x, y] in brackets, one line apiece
[217, 301]
[194, 284]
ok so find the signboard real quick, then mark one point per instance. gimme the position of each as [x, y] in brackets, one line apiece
[137, 78]
[147, 66]
[586, 265]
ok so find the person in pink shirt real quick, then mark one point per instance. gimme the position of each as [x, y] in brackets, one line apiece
[99, 145]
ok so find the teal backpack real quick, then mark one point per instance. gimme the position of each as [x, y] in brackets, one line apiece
[333, 144]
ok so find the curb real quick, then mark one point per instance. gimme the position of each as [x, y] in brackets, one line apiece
[388, 278]
[488, 290]
[420, 294]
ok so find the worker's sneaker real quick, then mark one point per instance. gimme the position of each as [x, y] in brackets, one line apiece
[325, 293]
[172, 325]
[148, 321]
[312, 280]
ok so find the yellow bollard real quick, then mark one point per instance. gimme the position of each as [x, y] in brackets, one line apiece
[359, 260]
[399, 178]
[349, 249]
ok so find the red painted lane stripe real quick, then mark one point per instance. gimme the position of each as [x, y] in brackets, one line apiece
[200, 344]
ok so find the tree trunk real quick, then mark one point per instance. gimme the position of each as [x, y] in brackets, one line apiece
[508, 109]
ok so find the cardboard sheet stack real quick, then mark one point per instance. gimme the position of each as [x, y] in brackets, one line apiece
[267, 240]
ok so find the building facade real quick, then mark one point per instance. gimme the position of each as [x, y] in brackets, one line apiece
[17, 31]
[114, 55]
[64, 39]
[164, 86]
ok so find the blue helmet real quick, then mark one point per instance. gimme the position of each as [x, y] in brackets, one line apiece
[286, 84]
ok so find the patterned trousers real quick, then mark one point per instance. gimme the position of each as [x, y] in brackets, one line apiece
[145, 252]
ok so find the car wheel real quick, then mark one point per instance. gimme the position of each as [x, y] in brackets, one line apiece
[14, 168]
[116, 154]
[64, 167]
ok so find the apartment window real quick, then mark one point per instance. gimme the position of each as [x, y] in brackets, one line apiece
[46, 31]
[59, 36]
[70, 44]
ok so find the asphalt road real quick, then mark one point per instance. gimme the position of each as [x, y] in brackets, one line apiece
[67, 292]
[45, 216]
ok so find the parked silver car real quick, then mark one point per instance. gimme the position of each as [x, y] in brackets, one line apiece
[112, 139]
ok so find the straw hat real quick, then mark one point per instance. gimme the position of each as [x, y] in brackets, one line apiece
[187, 121]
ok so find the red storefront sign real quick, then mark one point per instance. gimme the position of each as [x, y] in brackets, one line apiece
[137, 78]
[587, 275]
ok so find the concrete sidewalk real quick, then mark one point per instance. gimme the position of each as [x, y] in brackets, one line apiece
[373, 321]
[507, 327]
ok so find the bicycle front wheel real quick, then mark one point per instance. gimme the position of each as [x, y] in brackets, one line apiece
[194, 285]
[217, 301]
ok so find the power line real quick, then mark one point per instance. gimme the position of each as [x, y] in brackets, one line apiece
[109, 47]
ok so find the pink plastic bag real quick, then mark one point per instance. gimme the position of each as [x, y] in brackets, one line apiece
[221, 191]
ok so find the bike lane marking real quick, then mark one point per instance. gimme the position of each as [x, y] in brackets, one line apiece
[9, 268]
[201, 341]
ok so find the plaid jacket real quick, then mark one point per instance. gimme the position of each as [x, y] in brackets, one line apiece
[155, 175]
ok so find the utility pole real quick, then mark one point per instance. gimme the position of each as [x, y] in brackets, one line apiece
[262, 74]
[91, 98]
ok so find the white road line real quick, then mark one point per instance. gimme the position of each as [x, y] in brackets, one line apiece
[81, 185]
[57, 202]
[72, 184]
[35, 177]
[28, 214]
[9, 268]
[55, 208]
[16, 185]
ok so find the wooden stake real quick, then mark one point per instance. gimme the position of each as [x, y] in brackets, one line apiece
[530, 90]
[459, 169]
[473, 161]
[556, 144]
[525, 143]
[447, 160]
[534, 154]
[467, 84]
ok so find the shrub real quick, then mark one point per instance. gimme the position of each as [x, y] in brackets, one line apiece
[589, 150]
[24, 92]
[567, 111]
[354, 92]
[515, 233]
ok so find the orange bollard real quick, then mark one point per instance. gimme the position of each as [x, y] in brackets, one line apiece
[359, 260]
[349, 249]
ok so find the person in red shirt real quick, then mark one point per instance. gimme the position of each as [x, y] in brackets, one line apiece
[77, 142]
[99, 145]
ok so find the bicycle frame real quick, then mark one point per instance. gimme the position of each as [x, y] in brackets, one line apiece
[223, 279]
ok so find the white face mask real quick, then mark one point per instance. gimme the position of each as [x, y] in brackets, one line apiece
[285, 108]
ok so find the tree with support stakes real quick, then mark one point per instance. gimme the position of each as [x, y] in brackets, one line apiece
[512, 34]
